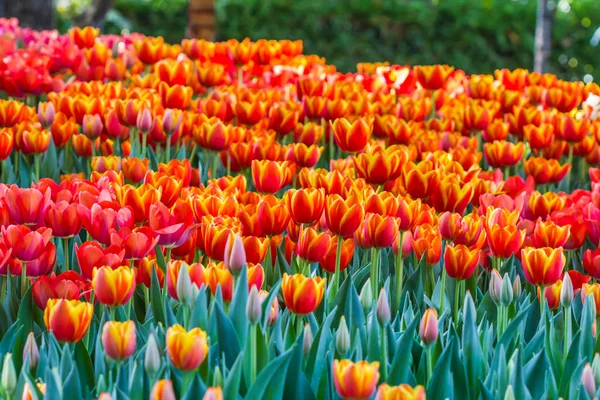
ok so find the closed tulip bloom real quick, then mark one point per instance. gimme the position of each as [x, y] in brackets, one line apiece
[235, 254]
[352, 137]
[114, 287]
[500, 154]
[302, 295]
[379, 231]
[312, 245]
[572, 130]
[273, 310]
[302, 155]
[591, 262]
[26, 206]
[6, 143]
[163, 390]
[329, 259]
[552, 294]
[68, 320]
[213, 393]
[544, 171]
[64, 220]
[272, 216]
[26, 244]
[433, 77]
[448, 195]
[542, 266]
[428, 329]
[548, 234]
[68, 285]
[496, 130]
[400, 392]
[98, 221]
[343, 216]
[380, 167]
[460, 262]
[186, 350]
[539, 137]
[355, 380]
[477, 117]
[35, 141]
[504, 242]
[195, 271]
[592, 289]
[134, 169]
[269, 176]
[305, 205]
[217, 275]
[118, 339]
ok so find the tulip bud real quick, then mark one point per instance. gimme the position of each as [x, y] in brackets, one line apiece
[91, 125]
[506, 291]
[509, 394]
[144, 121]
[596, 368]
[163, 390]
[213, 393]
[587, 380]
[366, 296]
[31, 352]
[105, 396]
[495, 286]
[9, 375]
[170, 124]
[235, 254]
[152, 359]
[383, 308]
[566, 292]
[46, 113]
[517, 286]
[342, 337]
[186, 290]
[218, 377]
[428, 330]
[254, 306]
[308, 340]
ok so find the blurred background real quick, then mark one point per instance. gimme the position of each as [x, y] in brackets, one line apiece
[479, 36]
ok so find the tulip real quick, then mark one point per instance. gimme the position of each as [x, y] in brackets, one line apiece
[302, 295]
[137, 243]
[312, 245]
[68, 320]
[118, 339]
[91, 255]
[114, 287]
[328, 262]
[98, 221]
[401, 392]
[218, 275]
[67, 285]
[500, 154]
[542, 266]
[6, 144]
[307, 340]
[591, 262]
[26, 244]
[460, 262]
[352, 137]
[9, 375]
[433, 77]
[175, 226]
[273, 310]
[544, 171]
[380, 167]
[272, 216]
[46, 113]
[134, 169]
[305, 205]
[378, 231]
[26, 206]
[31, 352]
[213, 393]
[270, 176]
[64, 220]
[342, 338]
[343, 216]
[355, 380]
[186, 350]
[163, 390]
[428, 329]
[235, 254]
[504, 242]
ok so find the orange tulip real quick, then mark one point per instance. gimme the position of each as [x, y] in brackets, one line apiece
[539, 137]
[84, 37]
[329, 259]
[217, 274]
[134, 169]
[544, 171]
[433, 77]
[176, 96]
[145, 268]
[552, 294]
[213, 135]
[118, 339]
[163, 390]
[428, 244]
[114, 287]
[35, 141]
[272, 216]
[380, 167]
[477, 117]
[543, 266]
[496, 130]
[449, 195]
[343, 216]
[312, 246]
[355, 380]
[282, 119]
[62, 129]
[502, 154]
[460, 262]
[250, 112]
[6, 143]
[352, 137]
[68, 320]
[305, 205]
[571, 129]
[186, 350]
[401, 392]
[594, 290]
[195, 270]
[378, 231]
[302, 295]
[302, 155]
[548, 234]
[541, 205]
[504, 241]
[270, 176]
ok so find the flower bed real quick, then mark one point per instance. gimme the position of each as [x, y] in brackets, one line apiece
[238, 220]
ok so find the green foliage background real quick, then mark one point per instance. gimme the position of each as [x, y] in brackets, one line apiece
[475, 35]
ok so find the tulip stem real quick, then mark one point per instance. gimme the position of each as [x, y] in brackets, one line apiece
[144, 140]
[457, 287]
[36, 160]
[568, 332]
[499, 317]
[542, 303]
[429, 363]
[253, 353]
[399, 274]
[338, 262]
[384, 355]
[168, 149]
[375, 272]
[23, 279]
[215, 165]
[66, 251]
[146, 298]
[443, 291]
[570, 161]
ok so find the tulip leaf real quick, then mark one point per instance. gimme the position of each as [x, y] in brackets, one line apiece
[156, 298]
[199, 316]
[181, 154]
[575, 382]
[36, 394]
[8, 340]
[49, 166]
[170, 318]
[53, 385]
[401, 362]
[588, 318]
[317, 355]
[153, 159]
[24, 173]
[237, 307]
[517, 379]
[25, 315]
[535, 373]
[441, 385]
[85, 367]
[195, 390]
[284, 267]
[573, 360]
[227, 339]
[296, 384]
[471, 347]
[71, 384]
[269, 384]
[267, 304]
[160, 259]
[136, 382]
[8, 172]
[231, 388]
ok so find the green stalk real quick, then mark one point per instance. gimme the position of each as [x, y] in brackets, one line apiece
[429, 363]
[253, 352]
[542, 303]
[375, 272]
[499, 313]
[146, 298]
[144, 140]
[338, 262]
[399, 274]
[570, 161]
[568, 332]
[384, 355]
[168, 150]
[37, 157]
[457, 286]
[66, 251]
[23, 279]
[215, 165]
[442, 291]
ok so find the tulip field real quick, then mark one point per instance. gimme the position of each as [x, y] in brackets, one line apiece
[238, 220]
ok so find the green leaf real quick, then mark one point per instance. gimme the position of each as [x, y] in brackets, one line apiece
[85, 367]
[517, 379]
[199, 316]
[181, 153]
[237, 308]
[153, 159]
[156, 298]
[471, 347]
[535, 373]
[49, 165]
[231, 387]
[317, 355]
[441, 385]
[269, 384]
[226, 337]
[267, 302]
[160, 259]
[573, 360]
[296, 384]
[401, 363]
[195, 390]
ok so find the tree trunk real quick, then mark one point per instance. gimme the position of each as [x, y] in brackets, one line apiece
[201, 20]
[37, 14]
[94, 14]
[543, 35]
